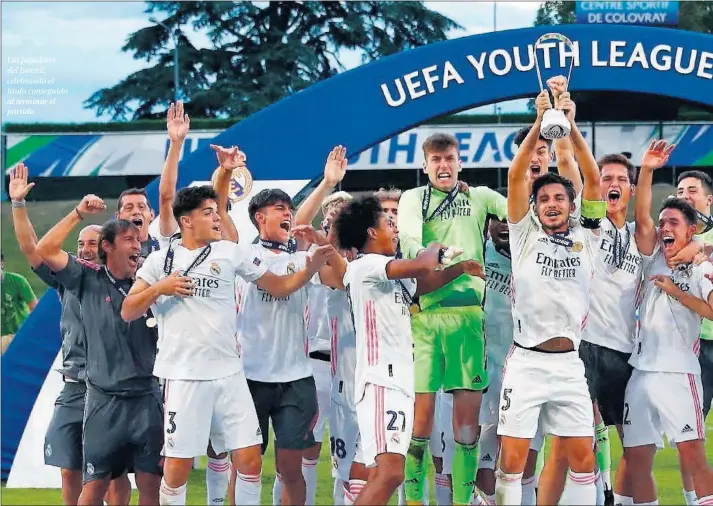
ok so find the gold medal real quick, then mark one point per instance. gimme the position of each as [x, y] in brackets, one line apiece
[414, 308]
[577, 247]
[151, 322]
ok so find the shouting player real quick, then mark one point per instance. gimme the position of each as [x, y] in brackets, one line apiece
[664, 358]
[543, 378]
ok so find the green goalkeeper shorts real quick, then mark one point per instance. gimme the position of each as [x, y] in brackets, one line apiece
[449, 349]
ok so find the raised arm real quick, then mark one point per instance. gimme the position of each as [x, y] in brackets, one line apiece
[49, 249]
[334, 171]
[229, 160]
[24, 231]
[421, 266]
[590, 169]
[518, 188]
[564, 151]
[645, 232]
[177, 125]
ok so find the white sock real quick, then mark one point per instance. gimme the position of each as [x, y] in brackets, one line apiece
[528, 491]
[276, 490]
[400, 495]
[654, 503]
[338, 492]
[476, 499]
[582, 489]
[690, 496]
[355, 487]
[490, 499]
[599, 484]
[247, 489]
[172, 496]
[508, 488]
[309, 473]
[606, 477]
[623, 500]
[705, 500]
[444, 494]
[217, 476]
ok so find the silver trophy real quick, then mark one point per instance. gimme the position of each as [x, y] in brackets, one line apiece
[555, 124]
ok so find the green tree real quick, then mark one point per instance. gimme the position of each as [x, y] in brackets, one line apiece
[612, 106]
[259, 53]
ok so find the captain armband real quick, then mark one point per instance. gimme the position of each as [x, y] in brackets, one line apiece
[593, 211]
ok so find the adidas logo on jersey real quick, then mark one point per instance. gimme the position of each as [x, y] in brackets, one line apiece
[477, 379]
[543, 239]
[259, 432]
[487, 458]
[687, 428]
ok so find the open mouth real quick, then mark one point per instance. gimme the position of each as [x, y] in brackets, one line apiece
[216, 228]
[286, 225]
[443, 176]
[535, 170]
[134, 259]
[139, 222]
[552, 214]
[668, 241]
[613, 196]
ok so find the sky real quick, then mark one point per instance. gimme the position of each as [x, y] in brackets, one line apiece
[80, 47]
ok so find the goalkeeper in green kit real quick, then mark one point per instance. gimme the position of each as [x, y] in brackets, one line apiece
[449, 345]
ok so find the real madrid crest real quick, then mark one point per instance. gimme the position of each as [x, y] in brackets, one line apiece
[214, 268]
[577, 247]
[290, 268]
[241, 183]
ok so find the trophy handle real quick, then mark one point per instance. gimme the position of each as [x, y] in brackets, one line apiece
[551, 36]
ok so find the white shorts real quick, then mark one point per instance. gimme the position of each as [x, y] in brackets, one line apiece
[548, 390]
[442, 442]
[323, 381]
[385, 418]
[221, 410]
[491, 398]
[658, 403]
[343, 432]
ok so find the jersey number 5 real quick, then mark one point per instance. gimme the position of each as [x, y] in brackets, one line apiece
[506, 398]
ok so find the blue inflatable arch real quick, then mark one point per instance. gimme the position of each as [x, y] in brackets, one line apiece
[362, 107]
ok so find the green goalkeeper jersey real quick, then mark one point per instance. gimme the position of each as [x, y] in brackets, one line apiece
[707, 325]
[461, 224]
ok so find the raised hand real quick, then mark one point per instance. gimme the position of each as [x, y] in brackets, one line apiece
[657, 154]
[336, 166]
[19, 188]
[230, 158]
[177, 123]
[542, 103]
[175, 285]
[309, 234]
[557, 85]
[566, 105]
[91, 204]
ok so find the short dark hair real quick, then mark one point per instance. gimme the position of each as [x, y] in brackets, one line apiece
[109, 232]
[190, 199]
[439, 142]
[265, 198]
[522, 133]
[552, 178]
[131, 191]
[354, 221]
[688, 211]
[705, 179]
[619, 159]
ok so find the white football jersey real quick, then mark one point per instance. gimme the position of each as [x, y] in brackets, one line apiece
[550, 282]
[383, 325]
[615, 289]
[272, 331]
[197, 334]
[498, 304]
[343, 347]
[668, 339]
[318, 331]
